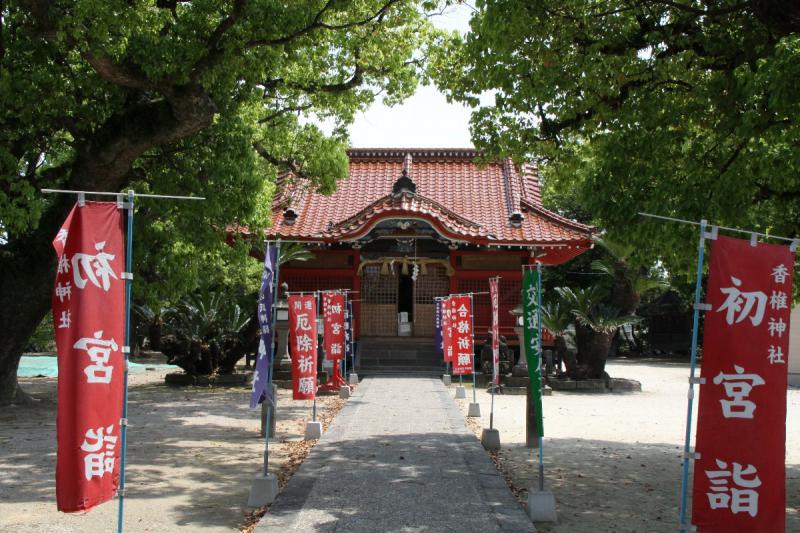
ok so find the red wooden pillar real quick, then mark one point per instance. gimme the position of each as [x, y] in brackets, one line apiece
[356, 294]
[454, 277]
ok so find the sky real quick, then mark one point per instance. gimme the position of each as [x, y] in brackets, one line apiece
[425, 120]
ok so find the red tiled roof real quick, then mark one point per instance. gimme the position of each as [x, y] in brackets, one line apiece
[463, 200]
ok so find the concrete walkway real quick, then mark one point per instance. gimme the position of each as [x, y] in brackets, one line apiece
[398, 457]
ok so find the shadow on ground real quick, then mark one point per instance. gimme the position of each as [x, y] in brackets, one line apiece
[207, 438]
[616, 486]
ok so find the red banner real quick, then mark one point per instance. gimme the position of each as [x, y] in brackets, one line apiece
[89, 322]
[447, 336]
[333, 315]
[461, 331]
[493, 296]
[303, 339]
[739, 477]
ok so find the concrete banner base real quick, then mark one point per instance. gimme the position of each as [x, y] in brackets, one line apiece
[313, 430]
[542, 506]
[490, 439]
[263, 491]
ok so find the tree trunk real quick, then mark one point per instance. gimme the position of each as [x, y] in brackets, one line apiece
[597, 356]
[103, 163]
[26, 277]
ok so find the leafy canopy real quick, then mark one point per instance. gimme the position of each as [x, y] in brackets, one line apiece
[680, 108]
[210, 98]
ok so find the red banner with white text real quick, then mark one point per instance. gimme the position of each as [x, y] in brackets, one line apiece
[333, 325]
[739, 477]
[89, 322]
[303, 343]
[447, 334]
[461, 334]
[493, 296]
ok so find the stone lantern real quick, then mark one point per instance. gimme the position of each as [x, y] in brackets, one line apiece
[283, 364]
[521, 368]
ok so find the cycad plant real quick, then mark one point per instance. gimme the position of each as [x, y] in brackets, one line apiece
[596, 323]
[557, 319]
[209, 333]
[628, 282]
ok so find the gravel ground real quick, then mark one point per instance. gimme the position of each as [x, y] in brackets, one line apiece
[192, 453]
[613, 461]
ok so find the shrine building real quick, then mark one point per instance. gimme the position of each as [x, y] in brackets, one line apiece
[409, 225]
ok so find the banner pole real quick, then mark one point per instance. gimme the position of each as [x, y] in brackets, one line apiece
[472, 332]
[541, 379]
[272, 362]
[317, 297]
[126, 352]
[695, 327]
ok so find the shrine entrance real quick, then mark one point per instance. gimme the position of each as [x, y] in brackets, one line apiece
[395, 304]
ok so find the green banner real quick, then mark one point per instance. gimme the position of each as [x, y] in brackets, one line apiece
[530, 282]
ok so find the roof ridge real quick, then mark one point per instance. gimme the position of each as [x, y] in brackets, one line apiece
[460, 153]
[543, 211]
[449, 212]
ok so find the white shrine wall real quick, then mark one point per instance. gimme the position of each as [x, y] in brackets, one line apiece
[794, 348]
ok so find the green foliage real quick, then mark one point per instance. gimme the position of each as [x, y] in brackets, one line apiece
[206, 317]
[295, 251]
[44, 338]
[210, 98]
[556, 316]
[604, 318]
[685, 109]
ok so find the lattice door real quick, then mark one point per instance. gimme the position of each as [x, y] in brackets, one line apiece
[378, 302]
[428, 286]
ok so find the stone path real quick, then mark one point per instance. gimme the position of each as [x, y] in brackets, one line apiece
[398, 457]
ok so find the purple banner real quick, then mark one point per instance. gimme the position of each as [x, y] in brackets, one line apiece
[261, 388]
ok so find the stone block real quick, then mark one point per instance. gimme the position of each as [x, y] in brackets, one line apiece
[313, 430]
[590, 385]
[461, 393]
[515, 381]
[446, 379]
[625, 385]
[490, 439]
[353, 379]
[474, 410]
[562, 384]
[263, 491]
[344, 392]
[542, 506]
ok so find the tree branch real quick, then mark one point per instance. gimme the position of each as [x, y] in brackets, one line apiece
[122, 75]
[213, 52]
[317, 23]
[741, 6]
[282, 164]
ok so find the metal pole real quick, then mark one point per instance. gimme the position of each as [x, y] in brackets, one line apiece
[695, 326]
[344, 357]
[794, 240]
[472, 332]
[539, 363]
[108, 193]
[126, 352]
[271, 369]
[314, 404]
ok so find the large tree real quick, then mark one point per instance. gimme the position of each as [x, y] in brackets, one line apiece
[207, 97]
[686, 108]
